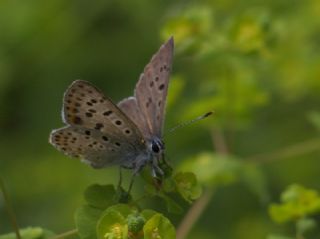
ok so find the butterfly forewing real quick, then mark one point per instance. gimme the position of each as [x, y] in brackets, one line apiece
[98, 131]
[151, 89]
[85, 106]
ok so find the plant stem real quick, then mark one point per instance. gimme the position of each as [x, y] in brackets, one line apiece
[65, 234]
[194, 213]
[220, 145]
[289, 151]
[10, 211]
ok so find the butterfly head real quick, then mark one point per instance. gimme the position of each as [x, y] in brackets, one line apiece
[156, 146]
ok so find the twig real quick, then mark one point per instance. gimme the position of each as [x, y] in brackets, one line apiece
[10, 211]
[219, 143]
[194, 213]
[290, 151]
[65, 234]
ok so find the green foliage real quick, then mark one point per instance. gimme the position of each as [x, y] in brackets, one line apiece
[158, 227]
[214, 170]
[104, 216]
[30, 233]
[187, 186]
[120, 221]
[296, 202]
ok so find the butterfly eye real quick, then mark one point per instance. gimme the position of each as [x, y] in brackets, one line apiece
[155, 148]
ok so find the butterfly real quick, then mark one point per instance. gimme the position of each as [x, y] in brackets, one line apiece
[128, 134]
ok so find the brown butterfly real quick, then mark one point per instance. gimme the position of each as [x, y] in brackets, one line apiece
[127, 134]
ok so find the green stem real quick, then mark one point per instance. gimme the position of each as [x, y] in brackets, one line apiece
[10, 212]
[66, 234]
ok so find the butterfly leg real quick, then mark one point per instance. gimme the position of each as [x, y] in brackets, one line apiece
[138, 167]
[131, 182]
[120, 177]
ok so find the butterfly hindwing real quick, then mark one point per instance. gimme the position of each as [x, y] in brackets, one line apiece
[130, 107]
[95, 148]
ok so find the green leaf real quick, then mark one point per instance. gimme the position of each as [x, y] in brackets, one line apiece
[157, 227]
[100, 196]
[30, 233]
[172, 206]
[113, 222]
[297, 202]
[86, 218]
[188, 186]
[147, 214]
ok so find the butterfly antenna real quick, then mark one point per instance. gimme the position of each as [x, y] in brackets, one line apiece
[181, 125]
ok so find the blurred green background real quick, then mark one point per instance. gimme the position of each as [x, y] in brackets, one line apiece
[255, 63]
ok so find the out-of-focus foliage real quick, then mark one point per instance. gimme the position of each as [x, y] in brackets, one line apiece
[256, 64]
[30, 233]
[298, 204]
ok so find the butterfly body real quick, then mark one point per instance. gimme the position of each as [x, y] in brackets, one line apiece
[127, 134]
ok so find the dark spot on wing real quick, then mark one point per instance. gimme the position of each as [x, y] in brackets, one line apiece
[88, 114]
[118, 122]
[107, 113]
[98, 126]
[77, 120]
[105, 138]
[161, 87]
[87, 132]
